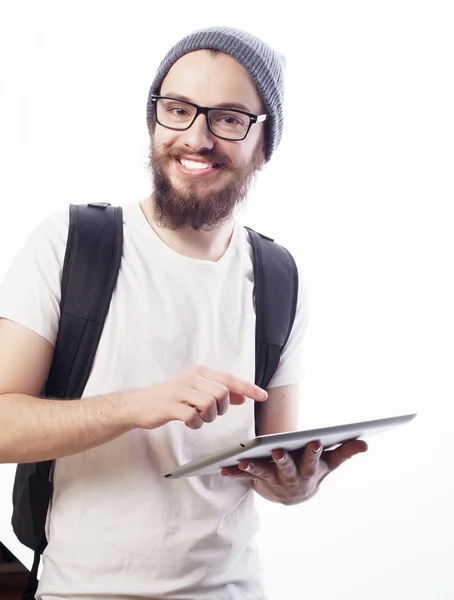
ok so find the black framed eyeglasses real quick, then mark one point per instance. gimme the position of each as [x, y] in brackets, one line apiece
[225, 123]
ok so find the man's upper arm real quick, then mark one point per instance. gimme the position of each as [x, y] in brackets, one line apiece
[25, 359]
[30, 307]
[279, 413]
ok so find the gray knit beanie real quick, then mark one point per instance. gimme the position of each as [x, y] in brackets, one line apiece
[263, 64]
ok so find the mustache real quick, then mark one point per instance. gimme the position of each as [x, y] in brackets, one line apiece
[208, 155]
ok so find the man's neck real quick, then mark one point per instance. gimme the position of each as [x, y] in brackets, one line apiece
[203, 245]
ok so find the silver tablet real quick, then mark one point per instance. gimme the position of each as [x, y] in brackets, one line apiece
[260, 447]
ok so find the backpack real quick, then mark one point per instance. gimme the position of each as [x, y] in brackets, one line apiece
[90, 269]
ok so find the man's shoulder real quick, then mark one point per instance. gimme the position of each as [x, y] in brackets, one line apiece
[53, 226]
[265, 237]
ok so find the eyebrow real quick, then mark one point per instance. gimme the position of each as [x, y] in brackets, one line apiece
[221, 105]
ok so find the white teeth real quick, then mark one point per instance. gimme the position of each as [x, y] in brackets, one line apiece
[192, 164]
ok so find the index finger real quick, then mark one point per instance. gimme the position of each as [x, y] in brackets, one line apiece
[235, 384]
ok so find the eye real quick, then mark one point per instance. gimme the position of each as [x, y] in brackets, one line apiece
[229, 119]
[178, 111]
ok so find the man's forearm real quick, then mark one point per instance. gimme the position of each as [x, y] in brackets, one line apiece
[37, 429]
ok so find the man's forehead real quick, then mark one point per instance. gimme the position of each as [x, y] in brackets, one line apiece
[209, 78]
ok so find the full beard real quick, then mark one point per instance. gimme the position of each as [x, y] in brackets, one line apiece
[176, 208]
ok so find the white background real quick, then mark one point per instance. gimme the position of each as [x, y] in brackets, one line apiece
[361, 191]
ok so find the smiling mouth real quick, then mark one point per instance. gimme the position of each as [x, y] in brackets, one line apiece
[198, 165]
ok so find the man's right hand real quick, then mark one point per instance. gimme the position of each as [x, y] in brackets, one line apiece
[196, 396]
[36, 429]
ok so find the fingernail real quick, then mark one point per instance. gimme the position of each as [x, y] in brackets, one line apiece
[261, 393]
[317, 449]
[247, 467]
[282, 458]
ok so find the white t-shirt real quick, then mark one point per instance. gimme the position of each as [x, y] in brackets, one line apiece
[116, 529]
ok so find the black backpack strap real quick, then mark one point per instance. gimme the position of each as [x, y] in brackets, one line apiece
[32, 581]
[90, 270]
[276, 297]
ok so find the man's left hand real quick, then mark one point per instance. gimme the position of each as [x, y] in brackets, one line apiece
[292, 481]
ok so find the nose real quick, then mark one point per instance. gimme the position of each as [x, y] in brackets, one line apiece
[198, 137]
